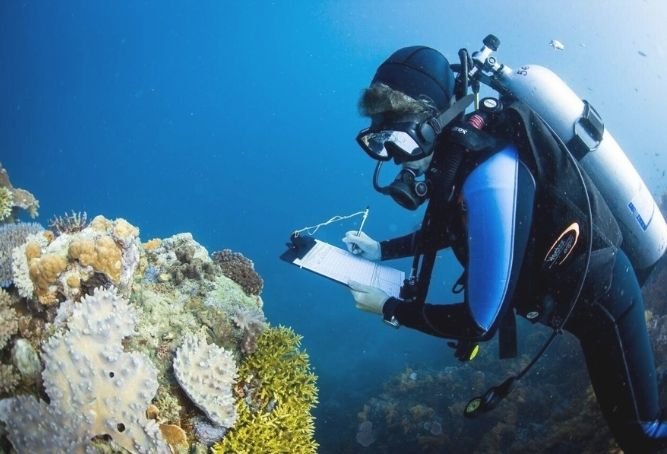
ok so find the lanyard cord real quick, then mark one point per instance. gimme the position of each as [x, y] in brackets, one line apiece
[310, 230]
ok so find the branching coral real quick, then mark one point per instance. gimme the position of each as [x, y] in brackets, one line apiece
[239, 269]
[95, 388]
[278, 391]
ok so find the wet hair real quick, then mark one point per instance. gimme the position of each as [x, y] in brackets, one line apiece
[380, 100]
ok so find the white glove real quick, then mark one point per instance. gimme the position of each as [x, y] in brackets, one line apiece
[368, 298]
[366, 246]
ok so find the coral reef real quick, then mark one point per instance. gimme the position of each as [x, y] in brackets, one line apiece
[277, 390]
[17, 199]
[206, 432]
[8, 379]
[239, 269]
[26, 360]
[551, 410]
[251, 322]
[8, 319]
[69, 223]
[94, 387]
[207, 373]
[6, 203]
[179, 259]
[52, 269]
[11, 236]
[106, 337]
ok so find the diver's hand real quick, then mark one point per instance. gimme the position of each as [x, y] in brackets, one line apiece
[366, 246]
[368, 298]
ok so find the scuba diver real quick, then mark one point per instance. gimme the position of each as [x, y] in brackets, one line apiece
[524, 211]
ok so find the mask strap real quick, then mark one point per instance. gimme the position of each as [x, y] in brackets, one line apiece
[438, 123]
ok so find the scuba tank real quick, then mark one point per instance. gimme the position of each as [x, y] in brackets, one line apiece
[579, 126]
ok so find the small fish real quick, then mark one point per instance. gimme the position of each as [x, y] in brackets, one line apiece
[556, 44]
[643, 54]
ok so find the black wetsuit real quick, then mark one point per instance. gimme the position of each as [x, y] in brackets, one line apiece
[521, 231]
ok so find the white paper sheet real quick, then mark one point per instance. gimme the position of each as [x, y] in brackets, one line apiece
[342, 266]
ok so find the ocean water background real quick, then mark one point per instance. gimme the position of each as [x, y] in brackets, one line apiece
[235, 120]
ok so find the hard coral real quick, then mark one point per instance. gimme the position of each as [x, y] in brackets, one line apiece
[6, 203]
[20, 198]
[66, 267]
[181, 259]
[279, 392]
[101, 253]
[8, 319]
[95, 388]
[8, 379]
[44, 272]
[239, 269]
[11, 236]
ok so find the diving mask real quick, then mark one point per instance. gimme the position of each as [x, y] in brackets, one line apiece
[402, 141]
[408, 140]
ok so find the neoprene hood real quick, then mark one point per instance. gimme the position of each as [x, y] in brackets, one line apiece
[418, 71]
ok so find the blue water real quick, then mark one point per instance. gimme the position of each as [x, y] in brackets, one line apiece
[235, 120]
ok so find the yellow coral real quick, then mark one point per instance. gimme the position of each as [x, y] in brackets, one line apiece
[73, 280]
[123, 229]
[173, 434]
[6, 203]
[152, 244]
[48, 235]
[100, 224]
[44, 272]
[32, 250]
[102, 254]
[281, 391]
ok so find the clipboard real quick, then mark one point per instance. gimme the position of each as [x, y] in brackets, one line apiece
[340, 265]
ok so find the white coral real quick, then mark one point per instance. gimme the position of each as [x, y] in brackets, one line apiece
[21, 268]
[94, 386]
[206, 373]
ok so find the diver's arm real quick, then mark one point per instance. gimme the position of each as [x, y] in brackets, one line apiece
[396, 248]
[408, 245]
[498, 196]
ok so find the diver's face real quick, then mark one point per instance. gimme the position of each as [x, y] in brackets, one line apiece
[419, 166]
